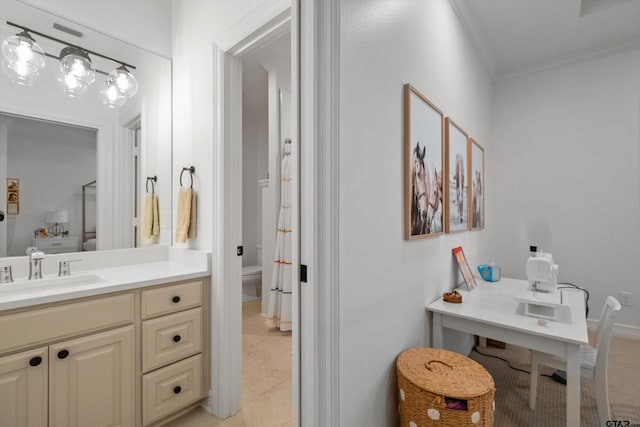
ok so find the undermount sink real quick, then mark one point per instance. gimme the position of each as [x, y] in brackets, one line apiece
[54, 283]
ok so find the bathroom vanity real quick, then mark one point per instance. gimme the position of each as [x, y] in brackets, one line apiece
[120, 345]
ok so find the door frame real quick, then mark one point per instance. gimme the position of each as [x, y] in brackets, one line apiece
[226, 323]
[315, 75]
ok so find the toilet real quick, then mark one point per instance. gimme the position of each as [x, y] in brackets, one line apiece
[252, 280]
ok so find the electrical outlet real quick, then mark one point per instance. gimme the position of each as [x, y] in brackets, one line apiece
[625, 298]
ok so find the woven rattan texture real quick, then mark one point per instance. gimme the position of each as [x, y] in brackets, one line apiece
[427, 376]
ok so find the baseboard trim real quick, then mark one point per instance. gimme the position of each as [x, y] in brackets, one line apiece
[620, 330]
[207, 404]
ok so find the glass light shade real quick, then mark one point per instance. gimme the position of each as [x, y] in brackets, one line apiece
[125, 82]
[23, 59]
[76, 71]
[111, 96]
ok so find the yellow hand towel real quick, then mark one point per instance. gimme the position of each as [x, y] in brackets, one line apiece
[147, 217]
[155, 228]
[193, 217]
[183, 216]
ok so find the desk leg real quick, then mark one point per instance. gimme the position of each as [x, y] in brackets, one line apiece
[437, 330]
[573, 386]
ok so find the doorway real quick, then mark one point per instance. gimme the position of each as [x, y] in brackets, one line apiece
[267, 353]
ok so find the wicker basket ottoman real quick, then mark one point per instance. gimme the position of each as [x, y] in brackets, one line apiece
[442, 388]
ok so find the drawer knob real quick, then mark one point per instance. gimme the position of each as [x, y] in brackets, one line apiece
[177, 389]
[62, 354]
[176, 338]
[176, 299]
[35, 361]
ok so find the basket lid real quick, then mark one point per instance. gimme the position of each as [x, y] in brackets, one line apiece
[444, 373]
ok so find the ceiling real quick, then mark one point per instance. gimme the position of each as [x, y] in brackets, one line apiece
[519, 36]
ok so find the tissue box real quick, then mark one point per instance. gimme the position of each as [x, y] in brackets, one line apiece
[490, 273]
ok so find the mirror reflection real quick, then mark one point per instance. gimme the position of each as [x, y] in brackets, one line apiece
[79, 167]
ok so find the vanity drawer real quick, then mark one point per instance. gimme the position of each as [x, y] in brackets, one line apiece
[170, 299]
[48, 324]
[170, 338]
[171, 388]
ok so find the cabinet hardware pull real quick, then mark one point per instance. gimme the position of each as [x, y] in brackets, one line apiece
[176, 299]
[62, 354]
[35, 361]
[176, 338]
[177, 389]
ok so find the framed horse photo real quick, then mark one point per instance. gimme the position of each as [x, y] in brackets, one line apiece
[423, 161]
[456, 165]
[476, 190]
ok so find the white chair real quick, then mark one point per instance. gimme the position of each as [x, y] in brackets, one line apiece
[593, 361]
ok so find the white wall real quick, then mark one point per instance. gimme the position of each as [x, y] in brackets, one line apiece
[565, 175]
[52, 162]
[124, 19]
[193, 109]
[255, 143]
[385, 281]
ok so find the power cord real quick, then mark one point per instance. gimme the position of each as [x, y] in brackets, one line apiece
[586, 294]
[508, 362]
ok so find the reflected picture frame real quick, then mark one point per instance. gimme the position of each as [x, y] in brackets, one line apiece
[13, 196]
[456, 184]
[423, 141]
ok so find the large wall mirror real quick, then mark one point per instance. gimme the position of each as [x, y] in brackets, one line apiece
[76, 159]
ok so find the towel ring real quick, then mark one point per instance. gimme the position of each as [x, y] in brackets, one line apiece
[191, 170]
[153, 179]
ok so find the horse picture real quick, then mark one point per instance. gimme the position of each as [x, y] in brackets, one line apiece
[457, 183]
[477, 201]
[423, 166]
[477, 186]
[426, 188]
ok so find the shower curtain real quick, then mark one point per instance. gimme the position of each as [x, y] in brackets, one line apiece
[279, 308]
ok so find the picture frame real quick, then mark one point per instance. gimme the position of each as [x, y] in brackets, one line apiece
[456, 191]
[476, 185]
[463, 265]
[13, 196]
[423, 141]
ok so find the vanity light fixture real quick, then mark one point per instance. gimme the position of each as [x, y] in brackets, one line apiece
[111, 96]
[76, 71]
[124, 81]
[23, 60]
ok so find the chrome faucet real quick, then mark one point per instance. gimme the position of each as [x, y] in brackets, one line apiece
[35, 263]
[5, 275]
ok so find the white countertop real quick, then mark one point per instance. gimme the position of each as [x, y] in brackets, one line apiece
[169, 267]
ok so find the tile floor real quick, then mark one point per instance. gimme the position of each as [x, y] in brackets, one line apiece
[266, 378]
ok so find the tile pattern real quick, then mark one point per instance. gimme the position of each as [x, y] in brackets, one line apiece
[266, 378]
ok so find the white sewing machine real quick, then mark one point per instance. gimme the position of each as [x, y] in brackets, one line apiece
[542, 272]
[541, 299]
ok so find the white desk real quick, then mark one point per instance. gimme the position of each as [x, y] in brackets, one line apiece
[492, 311]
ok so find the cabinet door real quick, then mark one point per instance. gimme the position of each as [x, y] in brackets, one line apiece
[91, 380]
[23, 389]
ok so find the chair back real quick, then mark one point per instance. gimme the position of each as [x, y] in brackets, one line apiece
[604, 334]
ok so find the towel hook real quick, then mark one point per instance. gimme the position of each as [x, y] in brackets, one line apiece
[191, 170]
[153, 179]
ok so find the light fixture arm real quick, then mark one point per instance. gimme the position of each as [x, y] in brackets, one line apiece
[29, 30]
